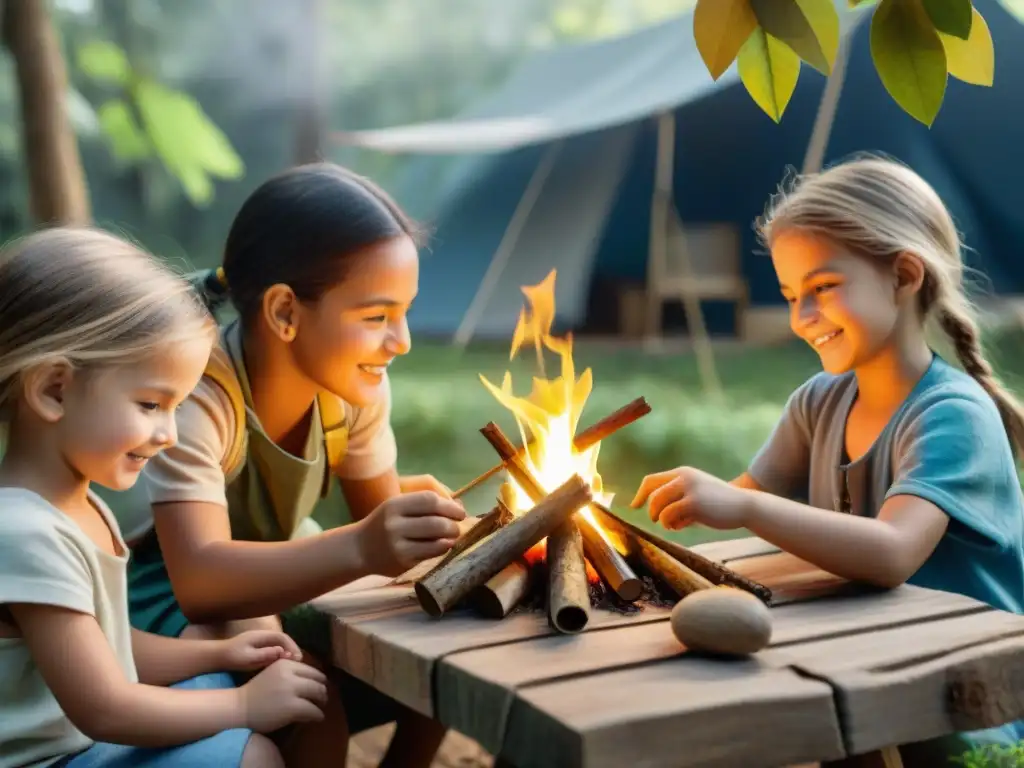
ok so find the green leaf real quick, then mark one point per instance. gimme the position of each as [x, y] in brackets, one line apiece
[952, 17]
[972, 60]
[102, 60]
[769, 69]
[909, 57]
[127, 141]
[197, 185]
[190, 146]
[856, 3]
[787, 21]
[720, 27]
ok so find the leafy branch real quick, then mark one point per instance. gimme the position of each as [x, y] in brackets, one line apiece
[146, 119]
[915, 45]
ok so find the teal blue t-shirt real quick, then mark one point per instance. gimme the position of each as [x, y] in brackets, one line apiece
[946, 444]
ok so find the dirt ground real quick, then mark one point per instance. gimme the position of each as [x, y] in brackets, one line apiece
[457, 751]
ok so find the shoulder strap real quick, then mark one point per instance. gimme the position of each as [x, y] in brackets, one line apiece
[220, 370]
[332, 418]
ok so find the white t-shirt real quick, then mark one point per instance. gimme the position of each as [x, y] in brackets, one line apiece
[46, 559]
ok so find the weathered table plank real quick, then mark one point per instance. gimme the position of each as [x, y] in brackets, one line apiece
[911, 683]
[395, 651]
[729, 550]
[625, 692]
[475, 688]
[694, 712]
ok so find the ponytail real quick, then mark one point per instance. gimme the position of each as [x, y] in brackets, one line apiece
[212, 287]
[962, 331]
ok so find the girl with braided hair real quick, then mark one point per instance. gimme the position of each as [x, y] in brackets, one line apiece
[903, 464]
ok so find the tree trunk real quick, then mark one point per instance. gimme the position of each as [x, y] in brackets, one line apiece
[58, 191]
[309, 115]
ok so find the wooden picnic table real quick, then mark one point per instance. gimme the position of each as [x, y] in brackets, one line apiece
[849, 674]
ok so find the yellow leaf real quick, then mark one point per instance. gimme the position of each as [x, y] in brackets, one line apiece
[769, 70]
[720, 27]
[972, 60]
[824, 20]
[809, 27]
[909, 57]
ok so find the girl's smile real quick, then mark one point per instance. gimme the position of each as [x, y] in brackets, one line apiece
[843, 306]
[348, 338]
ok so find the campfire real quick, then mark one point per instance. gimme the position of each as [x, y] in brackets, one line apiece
[552, 537]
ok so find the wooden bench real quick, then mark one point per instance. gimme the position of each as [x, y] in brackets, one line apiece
[848, 674]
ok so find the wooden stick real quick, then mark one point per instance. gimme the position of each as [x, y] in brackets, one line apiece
[677, 576]
[606, 561]
[489, 523]
[446, 586]
[568, 594]
[709, 569]
[612, 423]
[503, 591]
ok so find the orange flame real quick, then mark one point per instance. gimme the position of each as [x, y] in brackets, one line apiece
[551, 412]
[539, 551]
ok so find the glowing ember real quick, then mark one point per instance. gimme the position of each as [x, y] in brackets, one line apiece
[550, 414]
[538, 552]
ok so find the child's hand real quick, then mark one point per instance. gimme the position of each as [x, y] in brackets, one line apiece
[258, 648]
[286, 692]
[413, 483]
[680, 497]
[407, 529]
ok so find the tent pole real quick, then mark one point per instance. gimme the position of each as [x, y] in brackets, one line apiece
[817, 145]
[661, 209]
[464, 333]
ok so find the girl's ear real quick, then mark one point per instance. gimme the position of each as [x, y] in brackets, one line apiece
[910, 273]
[44, 389]
[281, 311]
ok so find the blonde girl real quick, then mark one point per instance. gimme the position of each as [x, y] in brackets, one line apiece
[891, 466]
[322, 268]
[99, 344]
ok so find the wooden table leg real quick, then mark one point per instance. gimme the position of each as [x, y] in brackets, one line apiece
[889, 757]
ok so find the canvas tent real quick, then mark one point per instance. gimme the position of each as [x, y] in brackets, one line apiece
[557, 168]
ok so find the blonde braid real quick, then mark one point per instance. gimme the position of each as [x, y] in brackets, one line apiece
[962, 330]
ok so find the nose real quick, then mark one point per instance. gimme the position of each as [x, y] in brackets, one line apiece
[399, 341]
[166, 433]
[803, 312]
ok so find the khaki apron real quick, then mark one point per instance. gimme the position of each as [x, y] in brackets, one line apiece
[273, 493]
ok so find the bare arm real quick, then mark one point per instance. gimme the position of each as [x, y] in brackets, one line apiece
[364, 496]
[885, 551]
[218, 579]
[168, 660]
[79, 667]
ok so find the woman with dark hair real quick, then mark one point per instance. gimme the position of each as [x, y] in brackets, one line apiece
[322, 267]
